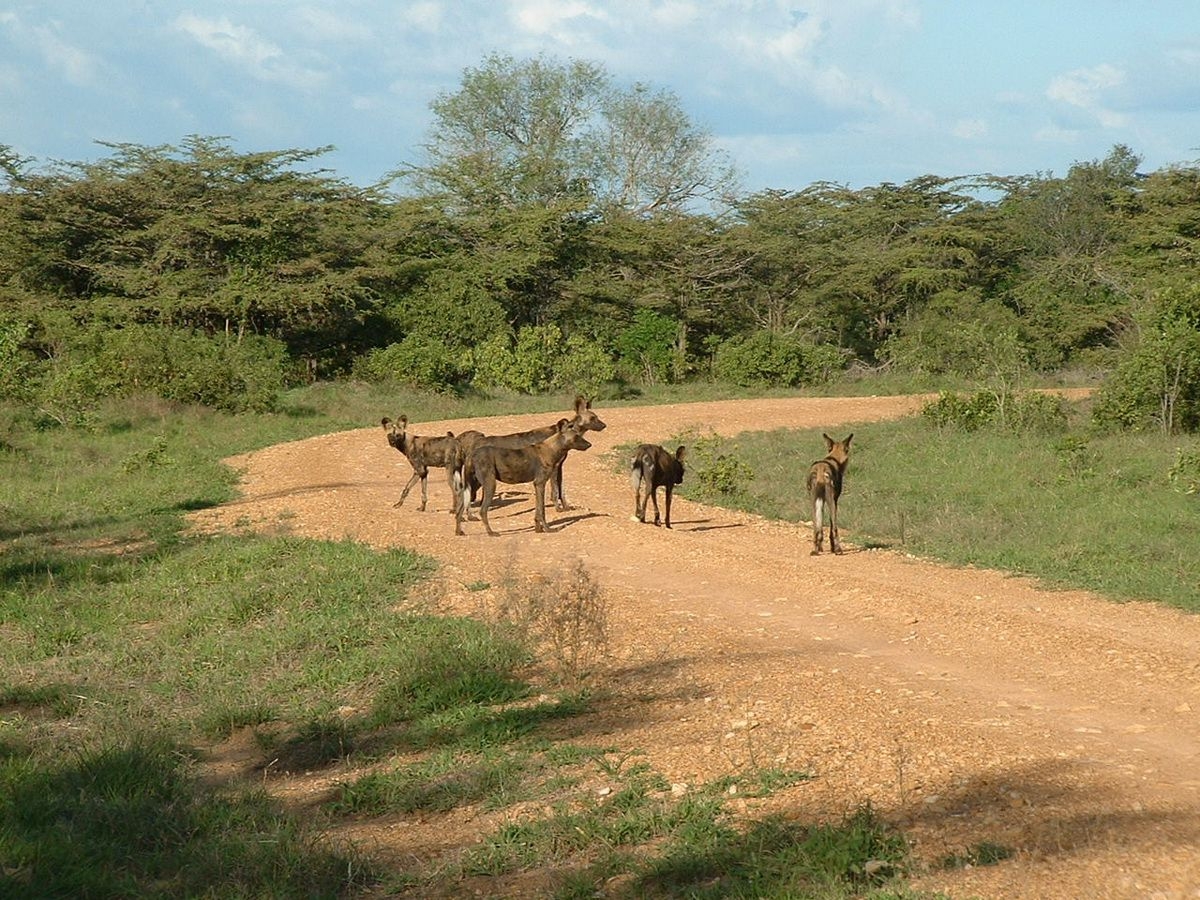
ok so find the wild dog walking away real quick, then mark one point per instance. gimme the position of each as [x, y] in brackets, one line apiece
[488, 464]
[424, 453]
[585, 419]
[824, 484]
[652, 468]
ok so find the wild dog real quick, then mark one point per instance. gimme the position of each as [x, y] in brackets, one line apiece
[652, 468]
[585, 419]
[422, 454]
[488, 464]
[824, 485]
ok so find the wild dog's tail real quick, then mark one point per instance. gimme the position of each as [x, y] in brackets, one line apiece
[641, 469]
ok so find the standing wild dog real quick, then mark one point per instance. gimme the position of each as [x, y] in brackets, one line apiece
[652, 468]
[825, 487]
[488, 464]
[424, 453]
[585, 419]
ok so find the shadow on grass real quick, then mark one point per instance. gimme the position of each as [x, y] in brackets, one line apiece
[777, 858]
[132, 822]
[1081, 813]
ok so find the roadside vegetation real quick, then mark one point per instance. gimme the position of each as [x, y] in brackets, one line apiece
[1044, 493]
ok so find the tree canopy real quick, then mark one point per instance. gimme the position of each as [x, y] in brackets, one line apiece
[559, 216]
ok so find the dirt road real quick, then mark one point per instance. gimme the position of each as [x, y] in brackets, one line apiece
[966, 706]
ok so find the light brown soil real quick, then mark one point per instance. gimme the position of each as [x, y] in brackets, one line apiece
[966, 706]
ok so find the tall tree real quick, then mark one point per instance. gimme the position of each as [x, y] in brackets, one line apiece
[1069, 287]
[201, 237]
[539, 131]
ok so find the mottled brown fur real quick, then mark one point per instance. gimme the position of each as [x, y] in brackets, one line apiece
[824, 483]
[424, 453]
[585, 419]
[653, 467]
[488, 464]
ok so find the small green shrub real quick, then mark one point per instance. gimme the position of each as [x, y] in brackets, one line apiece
[233, 375]
[584, 367]
[715, 466]
[1033, 412]
[1022, 413]
[1077, 457]
[1184, 473]
[647, 349]
[542, 359]
[418, 361]
[778, 361]
[16, 364]
[951, 410]
[1156, 384]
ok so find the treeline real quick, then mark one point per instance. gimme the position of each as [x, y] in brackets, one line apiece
[208, 275]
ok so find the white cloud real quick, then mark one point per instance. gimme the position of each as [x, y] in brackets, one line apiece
[970, 129]
[675, 13]
[548, 17]
[234, 42]
[243, 47]
[1053, 134]
[327, 26]
[76, 66]
[427, 16]
[1085, 89]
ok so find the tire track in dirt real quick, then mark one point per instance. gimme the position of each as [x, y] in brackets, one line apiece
[964, 705]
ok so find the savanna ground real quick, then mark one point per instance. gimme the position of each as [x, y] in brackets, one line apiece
[966, 707]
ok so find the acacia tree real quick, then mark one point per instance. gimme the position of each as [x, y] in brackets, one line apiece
[540, 131]
[1069, 284]
[850, 266]
[197, 237]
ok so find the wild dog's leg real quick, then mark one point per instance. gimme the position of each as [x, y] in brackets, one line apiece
[408, 487]
[818, 520]
[654, 500]
[669, 488]
[539, 513]
[638, 481]
[424, 490]
[489, 492]
[556, 491]
[459, 509]
[834, 544]
[635, 481]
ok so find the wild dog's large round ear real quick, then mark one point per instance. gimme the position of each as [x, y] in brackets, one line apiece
[849, 438]
[386, 421]
[829, 442]
[681, 453]
[562, 424]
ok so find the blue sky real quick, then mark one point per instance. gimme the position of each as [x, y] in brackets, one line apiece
[855, 92]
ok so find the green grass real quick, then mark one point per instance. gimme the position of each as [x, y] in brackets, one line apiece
[1073, 510]
[129, 820]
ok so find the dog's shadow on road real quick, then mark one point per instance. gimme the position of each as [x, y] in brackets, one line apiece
[567, 521]
[701, 525]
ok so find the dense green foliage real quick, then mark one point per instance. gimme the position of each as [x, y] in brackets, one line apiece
[563, 232]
